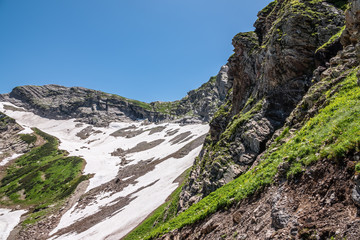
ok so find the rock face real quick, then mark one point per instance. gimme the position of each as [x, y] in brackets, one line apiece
[323, 200]
[204, 101]
[99, 108]
[271, 70]
[10, 141]
[94, 107]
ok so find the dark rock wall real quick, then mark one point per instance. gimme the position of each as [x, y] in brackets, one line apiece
[271, 70]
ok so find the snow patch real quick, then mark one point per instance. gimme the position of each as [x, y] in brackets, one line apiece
[8, 220]
[8, 159]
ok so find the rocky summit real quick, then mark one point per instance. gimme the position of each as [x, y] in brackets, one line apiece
[267, 149]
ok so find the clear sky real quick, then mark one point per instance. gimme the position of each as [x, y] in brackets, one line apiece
[142, 49]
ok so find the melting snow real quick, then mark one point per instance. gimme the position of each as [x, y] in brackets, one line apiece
[8, 159]
[8, 220]
[97, 149]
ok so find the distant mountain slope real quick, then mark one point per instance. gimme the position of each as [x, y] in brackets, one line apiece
[99, 108]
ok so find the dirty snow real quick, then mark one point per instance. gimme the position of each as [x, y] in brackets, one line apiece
[97, 149]
[8, 220]
[8, 159]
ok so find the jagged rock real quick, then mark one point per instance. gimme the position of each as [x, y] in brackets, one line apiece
[279, 215]
[222, 82]
[209, 227]
[236, 216]
[351, 34]
[271, 70]
[356, 191]
[90, 106]
[10, 141]
[203, 102]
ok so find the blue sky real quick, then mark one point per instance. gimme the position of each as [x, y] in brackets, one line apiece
[147, 50]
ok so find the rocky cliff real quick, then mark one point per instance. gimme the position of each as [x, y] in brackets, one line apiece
[272, 69]
[99, 108]
[281, 160]
[10, 142]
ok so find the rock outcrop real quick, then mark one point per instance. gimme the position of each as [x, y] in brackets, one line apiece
[10, 142]
[203, 102]
[272, 69]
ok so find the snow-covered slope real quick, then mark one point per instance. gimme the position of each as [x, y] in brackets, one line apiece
[134, 167]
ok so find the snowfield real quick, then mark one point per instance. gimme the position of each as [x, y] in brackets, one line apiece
[106, 155]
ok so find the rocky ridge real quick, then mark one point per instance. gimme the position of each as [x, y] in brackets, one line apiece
[99, 108]
[272, 68]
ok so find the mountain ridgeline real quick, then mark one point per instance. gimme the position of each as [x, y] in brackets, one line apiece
[99, 108]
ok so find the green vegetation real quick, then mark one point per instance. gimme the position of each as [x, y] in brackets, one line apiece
[268, 8]
[331, 134]
[240, 119]
[332, 39]
[166, 107]
[28, 138]
[42, 176]
[204, 86]
[249, 36]
[223, 111]
[143, 105]
[357, 168]
[284, 10]
[12, 108]
[5, 120]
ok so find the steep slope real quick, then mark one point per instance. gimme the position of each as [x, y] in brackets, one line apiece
[272, 70]
[288, 135]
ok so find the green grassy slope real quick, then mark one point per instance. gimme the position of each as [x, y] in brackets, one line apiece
[42, 176]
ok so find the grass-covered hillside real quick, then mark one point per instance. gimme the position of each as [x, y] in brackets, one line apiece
[40, 177]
